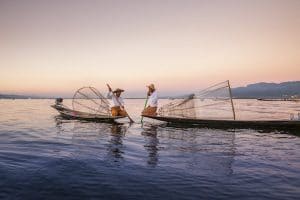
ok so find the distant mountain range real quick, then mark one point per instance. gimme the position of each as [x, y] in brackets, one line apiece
[268, 90]
[8, 96]
[12, 96]
[257, 90]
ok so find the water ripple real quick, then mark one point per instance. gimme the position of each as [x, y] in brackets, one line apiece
[45, 157]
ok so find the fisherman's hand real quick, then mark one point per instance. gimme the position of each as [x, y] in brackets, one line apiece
[109, 88]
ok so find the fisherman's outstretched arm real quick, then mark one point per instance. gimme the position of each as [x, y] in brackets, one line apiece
[109, 94]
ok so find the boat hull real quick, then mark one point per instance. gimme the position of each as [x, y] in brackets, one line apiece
[293, 100]
[73, 114]
[272, 124]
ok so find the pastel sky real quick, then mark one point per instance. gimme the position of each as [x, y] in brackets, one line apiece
[54, 47]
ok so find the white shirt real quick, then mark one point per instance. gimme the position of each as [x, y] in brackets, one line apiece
[116, 101]
[153, 99]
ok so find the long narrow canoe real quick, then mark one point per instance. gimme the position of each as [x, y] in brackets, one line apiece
[261, 124]
[73, 114]
[294, 100]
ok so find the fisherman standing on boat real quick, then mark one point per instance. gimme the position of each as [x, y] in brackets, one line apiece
[117, 108]
[150, 110]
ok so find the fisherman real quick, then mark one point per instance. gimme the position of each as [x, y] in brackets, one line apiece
[59, 101]
[118, 108]
[151, 109]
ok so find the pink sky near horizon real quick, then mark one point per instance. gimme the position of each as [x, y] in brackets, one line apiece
[54, 47]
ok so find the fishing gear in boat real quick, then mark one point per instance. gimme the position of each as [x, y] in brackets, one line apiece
[90, 100]
[87, 104]
[210, 103]
[214, 107]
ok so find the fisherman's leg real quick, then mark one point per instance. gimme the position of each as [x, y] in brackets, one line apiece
[145, 111]
[151, 111]
[123, 113]
[114, 111]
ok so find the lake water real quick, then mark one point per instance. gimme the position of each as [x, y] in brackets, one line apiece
[45, 157]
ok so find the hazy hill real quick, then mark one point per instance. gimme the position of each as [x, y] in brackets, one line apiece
[257, 90]
[267, 90]
[12, 96]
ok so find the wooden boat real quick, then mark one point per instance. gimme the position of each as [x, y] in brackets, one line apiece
[228, 124]
[73, 114]
[88, 104]
[294, 100]
[184, 112]
[60, 107]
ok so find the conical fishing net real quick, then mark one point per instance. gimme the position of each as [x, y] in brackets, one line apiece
[214, 102]
[90, 100]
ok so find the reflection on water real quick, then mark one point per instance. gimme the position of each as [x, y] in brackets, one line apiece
[212, 151]
[151, 143]
[116, 143]
[43, 155]
[85, 133]
[197, 148]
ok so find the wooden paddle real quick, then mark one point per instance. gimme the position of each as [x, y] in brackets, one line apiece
[131, 120]
[145, 107]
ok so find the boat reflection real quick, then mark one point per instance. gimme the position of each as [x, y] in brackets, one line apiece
[204, 151]
[106, 138]
[200, 151]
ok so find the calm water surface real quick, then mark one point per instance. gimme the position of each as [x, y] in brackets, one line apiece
[45, 157]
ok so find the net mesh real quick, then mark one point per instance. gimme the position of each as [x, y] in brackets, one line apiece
[211, 103]
[90, 100]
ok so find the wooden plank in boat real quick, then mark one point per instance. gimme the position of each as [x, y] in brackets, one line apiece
[277, 124]
[73, 114]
